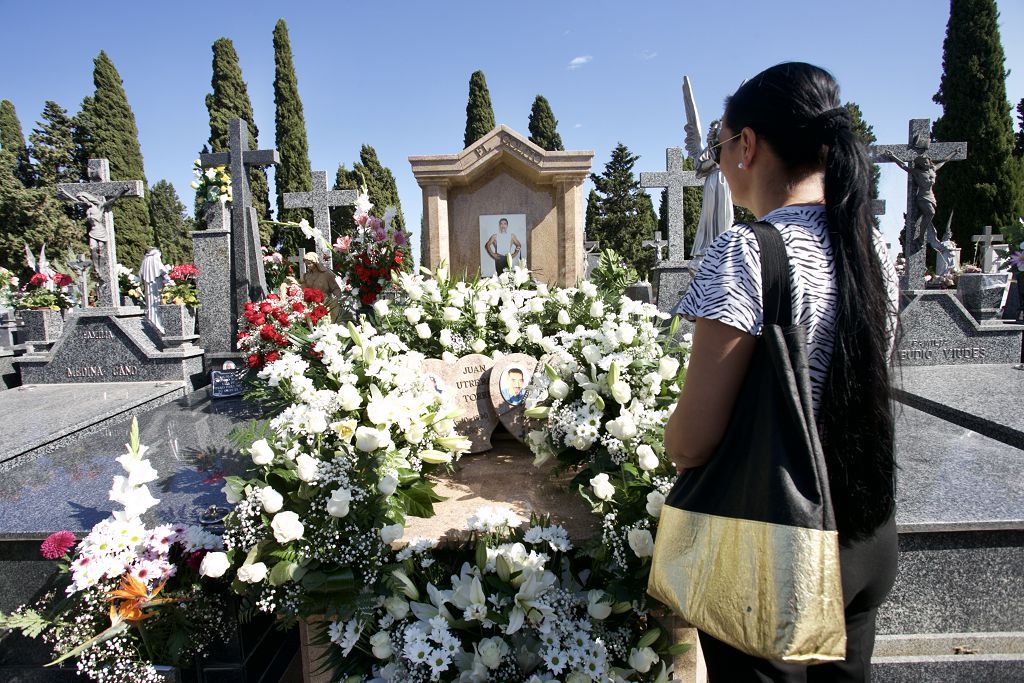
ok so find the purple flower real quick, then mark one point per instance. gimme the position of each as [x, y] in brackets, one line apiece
[400, 238]
[1017, 260]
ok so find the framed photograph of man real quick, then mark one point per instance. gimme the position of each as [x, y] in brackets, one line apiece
[502, 242]
[513, 383]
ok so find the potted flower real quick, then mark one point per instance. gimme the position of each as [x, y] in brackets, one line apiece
[213, 188]
[8, 286]
[179, 299]
[982, 294]
[130, 287]
[41, 304]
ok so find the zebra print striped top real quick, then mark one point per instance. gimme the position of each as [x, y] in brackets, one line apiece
[727, 287]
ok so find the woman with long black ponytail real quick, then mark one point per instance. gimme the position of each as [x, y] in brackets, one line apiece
[789, 154]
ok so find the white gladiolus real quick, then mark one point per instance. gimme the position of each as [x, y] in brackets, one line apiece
[388, 484]
[603, 489]
[381, 307]
[648, 460]
[592, 354]
[641, 541]
[287, 527]
[423, 331]
[380, 642]
[655, 502]
[271, 500]
[338, 505]
[643, 659]
[306, 467]
[262, 453]
[214, 565]
[558, 389]
[414, 433]
[451, 314]
[621, 392]
[597, 605]
[563, 317]
[391, 533]
[413, 314]
[435, 457]
[252, 573]
[668, 367]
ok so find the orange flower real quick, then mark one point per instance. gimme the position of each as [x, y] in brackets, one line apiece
[134, 597]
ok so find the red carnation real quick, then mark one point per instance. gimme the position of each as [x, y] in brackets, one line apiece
[62, 280]
[273, 356]
[193, 560]
[57, 544]
[38, 279]
[298, 307]
[253, 361]
[266, 307]
[313, 296]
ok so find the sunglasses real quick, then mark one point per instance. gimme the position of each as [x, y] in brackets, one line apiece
[716, 149]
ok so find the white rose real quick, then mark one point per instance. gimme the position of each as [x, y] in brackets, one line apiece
[381, 411]
[446, 337]
[316, 422]
[413, 315]
[478, 345]
[423, 331]
[621, 392]
[655, 501]
[563, 317]
[592, 354]
[262, 453]
[391, 533]
[415, 293]
[534, 333]
[252, 573]
[271, 500]
[643, 659]
[623, 427]
[214, 565]
[381, 308]
[641, 541]
[397, 607]
[647, 458]
[349, 397]
[558, 389]
[480, 320]
[388, 484]
[580, 443]
[668, 367]
[597, 309]
[626, 334]
[368, 439]
[381, 644]
[287, 527]
[513, 337]
[306, 466]
[491, 651]
[589, 396]
[597, 606]
[603, 489]
[451, 314]
[338, 505]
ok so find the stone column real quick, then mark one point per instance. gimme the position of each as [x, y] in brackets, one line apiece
[211, 253]
[434, 235]
[571, 255]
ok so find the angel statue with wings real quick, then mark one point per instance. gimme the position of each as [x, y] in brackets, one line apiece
[716, 213]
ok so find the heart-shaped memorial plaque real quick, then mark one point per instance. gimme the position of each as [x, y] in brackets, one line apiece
[510, 381]
[466, 382]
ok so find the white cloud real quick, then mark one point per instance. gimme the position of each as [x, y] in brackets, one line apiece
[578, 125]
[577, 62]
[648, 55]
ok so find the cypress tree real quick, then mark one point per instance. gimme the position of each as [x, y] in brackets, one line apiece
[625, 214]
[171, 225]
[293, 173]
[32, 215]
[1019, 147]
[81, 125]
[13, 140]
[341, 216]
[988, 187]
[380, 184]
[866, 132]
[479, 113]
[592, 216]
[53, 147]
[110, 133]
[544, 126]
[230, 100]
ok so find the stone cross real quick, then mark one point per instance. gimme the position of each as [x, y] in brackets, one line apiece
[248, 281]
[320, 200]
[877, 207]
[101, 193]
[919, 144]
[300, 263]
[675, 179]
[987, 240]
[657, 244]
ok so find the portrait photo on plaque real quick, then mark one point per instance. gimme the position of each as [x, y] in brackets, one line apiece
[512, 384]
[502, 242]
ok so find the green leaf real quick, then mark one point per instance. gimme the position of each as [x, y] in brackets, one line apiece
[679, 648]
[418, 500]
[481, 555]
[282, 572]
[649, 638]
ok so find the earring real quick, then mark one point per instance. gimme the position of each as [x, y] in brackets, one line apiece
[739, 165]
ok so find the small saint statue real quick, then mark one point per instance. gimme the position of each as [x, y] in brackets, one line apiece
[320, 277]
[153, 274]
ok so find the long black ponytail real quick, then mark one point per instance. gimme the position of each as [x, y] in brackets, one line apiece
[795, 108]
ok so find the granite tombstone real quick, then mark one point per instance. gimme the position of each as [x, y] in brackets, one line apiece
[466, 382]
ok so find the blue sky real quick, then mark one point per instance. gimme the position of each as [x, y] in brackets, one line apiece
[395, 74]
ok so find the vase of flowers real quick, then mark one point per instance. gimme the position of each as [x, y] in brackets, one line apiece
[1016, 266]
[40, 305]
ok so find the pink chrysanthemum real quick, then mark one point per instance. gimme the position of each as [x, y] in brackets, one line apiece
[57, 545]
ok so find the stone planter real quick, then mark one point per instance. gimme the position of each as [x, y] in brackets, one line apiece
[983, 294]
[40, 327]
[179, 323]
[170, 674]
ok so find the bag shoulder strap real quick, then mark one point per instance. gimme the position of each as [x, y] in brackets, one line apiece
[775, 290]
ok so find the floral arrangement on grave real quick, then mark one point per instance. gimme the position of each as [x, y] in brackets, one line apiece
[513, 603]
[36, 294]
[265, 328]
[212, 185]
[276, 267]
[8, 286]
[337, 471]
[369, 258]
[183, 288]
[130, 285]
[129, 596]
